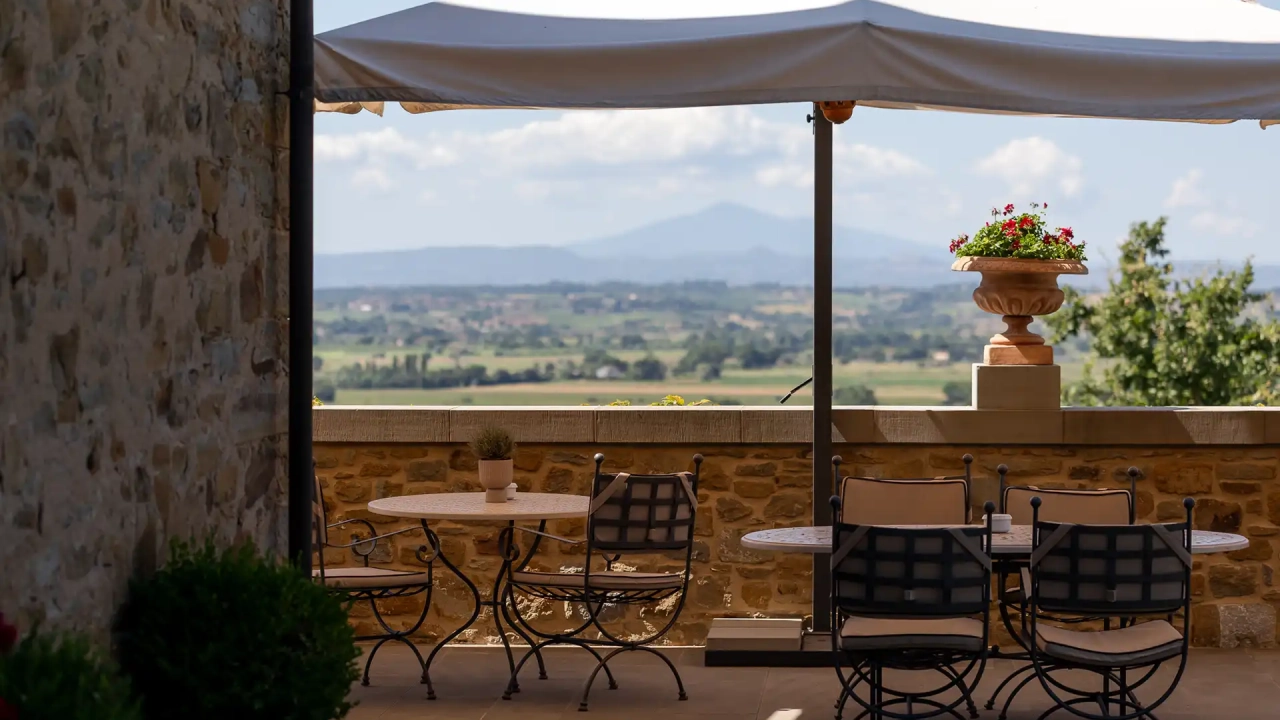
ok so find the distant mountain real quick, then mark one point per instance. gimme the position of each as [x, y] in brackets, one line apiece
[728, 229]
[729, 243]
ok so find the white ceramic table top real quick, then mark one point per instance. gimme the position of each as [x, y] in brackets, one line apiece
[472, 506]
[817, 539]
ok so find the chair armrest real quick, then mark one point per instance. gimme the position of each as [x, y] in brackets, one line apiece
[362, 521]
[371, 541]
[550, 536]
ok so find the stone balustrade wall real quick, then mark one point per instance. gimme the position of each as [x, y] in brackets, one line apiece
[1226, 459]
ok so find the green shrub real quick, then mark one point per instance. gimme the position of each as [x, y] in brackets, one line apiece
[231, 635]
[493, 443]
[50, 676]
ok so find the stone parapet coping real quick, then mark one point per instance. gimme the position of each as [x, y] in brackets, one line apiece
[1170, 426]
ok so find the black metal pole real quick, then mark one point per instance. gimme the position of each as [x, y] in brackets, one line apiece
[822, 390]
[301, 165]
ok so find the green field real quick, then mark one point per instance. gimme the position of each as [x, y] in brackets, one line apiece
[893, 383]
[729, 344]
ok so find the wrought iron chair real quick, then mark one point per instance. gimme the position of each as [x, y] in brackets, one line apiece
[1116, 571]
[629, 514]
[906, 501]
[1103, 506]
[368, 583]
[909, 598]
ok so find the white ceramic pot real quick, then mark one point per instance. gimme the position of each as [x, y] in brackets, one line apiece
[1000, 523]
[511, 491]
[495, 476]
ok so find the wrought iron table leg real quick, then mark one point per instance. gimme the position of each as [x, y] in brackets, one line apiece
[521, 564]
[475, 593]
[506, 545]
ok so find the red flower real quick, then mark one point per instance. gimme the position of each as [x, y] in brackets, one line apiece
[8, 635]
[1045, 206]
[1067, 233]
[1008, 209]
[1049, 239]
[7, 711]
[1026, 222]
[1017, 244]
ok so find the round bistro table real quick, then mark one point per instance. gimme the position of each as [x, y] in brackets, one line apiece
[816, 540]
[471, 507]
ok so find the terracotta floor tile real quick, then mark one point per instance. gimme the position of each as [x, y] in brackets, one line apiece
[1238, 684]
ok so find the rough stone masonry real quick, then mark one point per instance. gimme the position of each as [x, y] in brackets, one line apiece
[142, 291]
[753, 485]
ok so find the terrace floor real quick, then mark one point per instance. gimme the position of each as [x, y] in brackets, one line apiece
[1219, 684]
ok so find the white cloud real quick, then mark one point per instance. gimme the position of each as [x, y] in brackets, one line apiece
[1187, 192]
[1224, 225]
[370, 177]
[385, 144]
[1211, 216]
[1033, 168]
[660, 149]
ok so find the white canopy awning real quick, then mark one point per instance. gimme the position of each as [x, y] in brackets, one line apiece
[1191, 60]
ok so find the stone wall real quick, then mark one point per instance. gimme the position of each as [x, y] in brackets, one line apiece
[142, 291]
[1225, 459]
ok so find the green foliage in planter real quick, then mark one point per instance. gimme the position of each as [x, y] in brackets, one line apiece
[1022, 235]
[51, 676]
[493, 443]
[232, 635]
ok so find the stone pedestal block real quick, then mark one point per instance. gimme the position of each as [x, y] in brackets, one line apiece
[1018, 355]
[1016, 387]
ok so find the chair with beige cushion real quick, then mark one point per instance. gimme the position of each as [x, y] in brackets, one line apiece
[1118, 572]
[909, 598]
[369, 583]
[1102, 506]
[629, 515]
[905, 501]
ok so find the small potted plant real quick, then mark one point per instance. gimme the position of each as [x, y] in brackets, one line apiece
[1020, 260]
[494, 449]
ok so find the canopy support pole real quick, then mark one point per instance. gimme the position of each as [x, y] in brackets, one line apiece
[822, 390]
[301, 249]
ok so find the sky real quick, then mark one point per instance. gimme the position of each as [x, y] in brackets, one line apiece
[516, 177]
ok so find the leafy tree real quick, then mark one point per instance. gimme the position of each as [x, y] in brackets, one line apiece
[854, 395]
[704, 351]
[957, 393]
[633, 341]
[595, 357]
[648, 368]
[1170, 342]
[709, 373]
[753, 357]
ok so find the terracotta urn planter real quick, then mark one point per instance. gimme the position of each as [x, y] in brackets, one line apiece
[837, 111]
[495, 477]
[1018, 290]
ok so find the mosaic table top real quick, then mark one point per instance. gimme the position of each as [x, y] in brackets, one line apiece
[817, 539]
[472, 506]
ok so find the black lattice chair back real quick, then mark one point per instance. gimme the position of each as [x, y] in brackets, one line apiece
[643, 513]
[880, 571]
[1111, 570]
